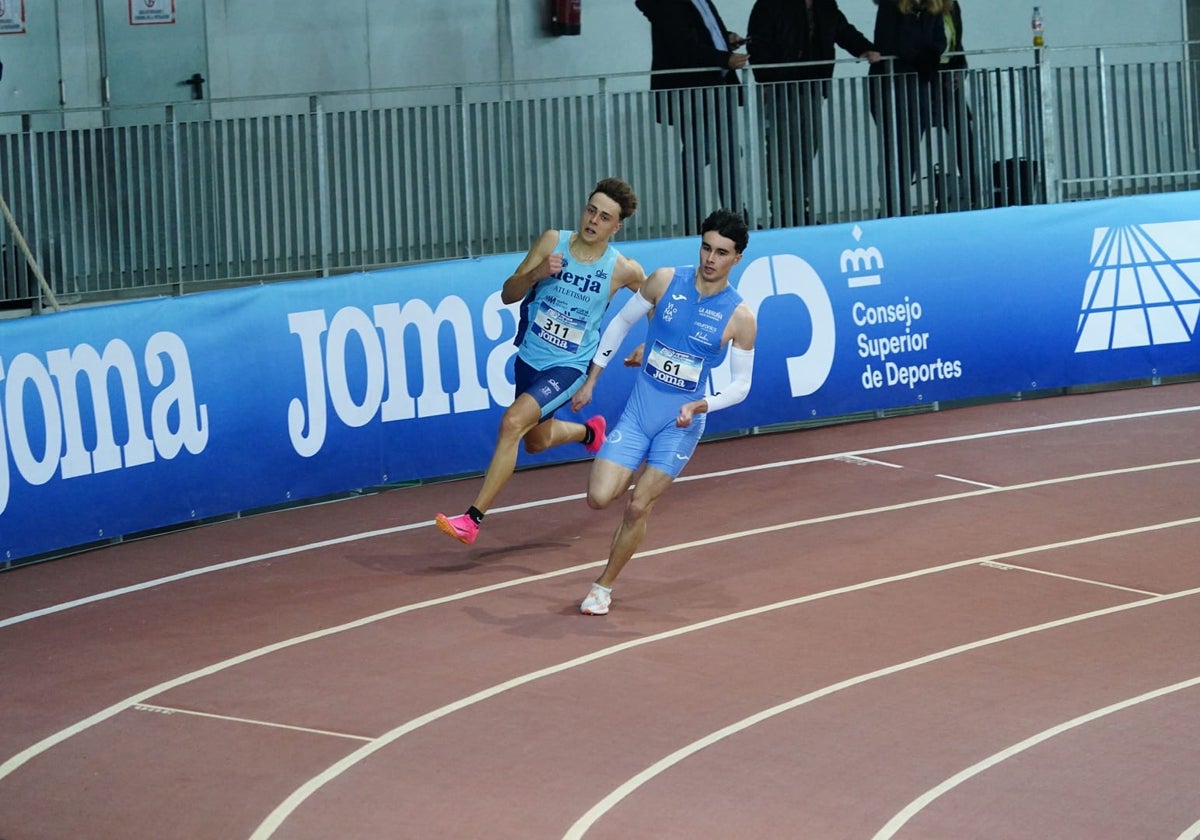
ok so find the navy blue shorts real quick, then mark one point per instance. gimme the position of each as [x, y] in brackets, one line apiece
[551, 387]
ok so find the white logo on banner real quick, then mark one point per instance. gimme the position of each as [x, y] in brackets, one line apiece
[1144, 287]
[895, 350]
[64, 411]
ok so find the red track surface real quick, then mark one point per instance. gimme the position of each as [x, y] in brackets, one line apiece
[979, 623]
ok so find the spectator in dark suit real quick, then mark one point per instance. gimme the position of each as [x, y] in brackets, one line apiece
[787, 32]
[689, 36]
[912, 35]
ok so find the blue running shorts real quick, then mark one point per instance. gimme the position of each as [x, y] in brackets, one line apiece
[669, 448]
[551, 387]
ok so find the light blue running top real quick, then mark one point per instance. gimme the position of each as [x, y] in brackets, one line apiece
[561, 315]
[682, 344]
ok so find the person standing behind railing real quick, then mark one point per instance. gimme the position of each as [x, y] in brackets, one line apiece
[957, 118]
[786, 32]
[690, 35]
[911, 34]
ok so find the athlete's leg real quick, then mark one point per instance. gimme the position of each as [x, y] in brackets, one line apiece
[539, 395]
[606, 482]
[530, 418]
[621, 455]
[666, 454]
[632, 530]
[553, 432]
[519, 419]
[553, 388]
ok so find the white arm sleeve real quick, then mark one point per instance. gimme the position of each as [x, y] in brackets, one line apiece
[610, 342]
[741, 365]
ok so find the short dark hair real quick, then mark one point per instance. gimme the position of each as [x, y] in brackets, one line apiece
[620, 192]
[730, 225]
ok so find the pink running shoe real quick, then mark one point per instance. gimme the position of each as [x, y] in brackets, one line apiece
[597, 425]
[462, 528]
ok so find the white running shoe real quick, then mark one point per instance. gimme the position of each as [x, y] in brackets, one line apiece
[597, 601]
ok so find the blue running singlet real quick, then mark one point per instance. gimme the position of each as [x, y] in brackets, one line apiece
[682, 344]
[561, 315]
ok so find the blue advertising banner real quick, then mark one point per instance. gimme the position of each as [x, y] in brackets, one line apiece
[129, 417]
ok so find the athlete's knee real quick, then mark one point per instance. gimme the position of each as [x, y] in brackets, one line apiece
[514, 424]
[637, 510]
[605, 488]
[597, 500]
[537, 439]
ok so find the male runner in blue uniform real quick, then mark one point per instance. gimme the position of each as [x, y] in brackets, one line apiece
[696, 314]
[564, 284]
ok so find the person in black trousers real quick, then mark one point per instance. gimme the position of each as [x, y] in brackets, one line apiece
[689, 36]
[911, 34]
[788, 32]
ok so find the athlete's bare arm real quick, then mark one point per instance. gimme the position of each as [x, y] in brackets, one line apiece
[629, 274]
[742, 329]
[541, 262]
[656, 284]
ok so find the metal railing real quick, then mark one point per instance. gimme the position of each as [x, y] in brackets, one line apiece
[260, 190]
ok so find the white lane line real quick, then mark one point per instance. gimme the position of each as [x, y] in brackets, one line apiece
[298, 797]
[366, 535]
[854, 459]
[606, 804]
[897, 447]
[1089, 581]
[139, 699]
[913, 808]
[150, 584]
[230, 564]
[966, 481]
[168, 710]
[25, 755]
[1191, 832]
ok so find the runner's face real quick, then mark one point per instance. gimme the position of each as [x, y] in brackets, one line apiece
[717, 256]
[601, 218]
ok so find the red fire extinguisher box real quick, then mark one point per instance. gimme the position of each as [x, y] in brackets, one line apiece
[564, 17]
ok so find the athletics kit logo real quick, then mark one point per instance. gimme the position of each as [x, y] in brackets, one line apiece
[1143, 289]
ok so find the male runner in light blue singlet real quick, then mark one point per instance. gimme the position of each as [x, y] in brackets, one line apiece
[564, 284]
[696, 314]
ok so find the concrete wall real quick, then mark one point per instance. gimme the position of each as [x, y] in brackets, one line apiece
[278, 47]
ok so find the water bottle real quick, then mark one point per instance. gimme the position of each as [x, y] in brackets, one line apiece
[1038, 39]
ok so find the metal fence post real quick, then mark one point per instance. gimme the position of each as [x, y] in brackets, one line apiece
[173, 190]
[464, 151]
[892, 152]
[33, 213]
[1105, 144]
[750, 154]
[606, 131]
[321, 167]
[1047, 93]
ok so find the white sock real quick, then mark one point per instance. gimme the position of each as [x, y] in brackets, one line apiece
[607, 589]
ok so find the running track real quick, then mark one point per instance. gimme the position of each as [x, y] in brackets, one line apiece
[978, 623]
